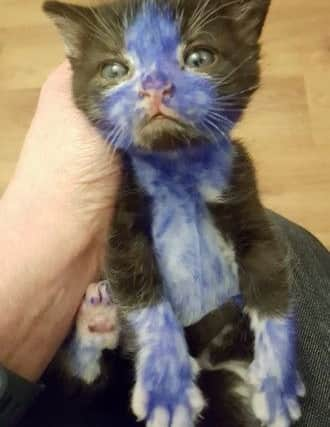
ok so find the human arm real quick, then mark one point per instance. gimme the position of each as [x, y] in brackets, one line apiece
[54, 220]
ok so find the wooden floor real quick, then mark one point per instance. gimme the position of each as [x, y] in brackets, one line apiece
[287, 127]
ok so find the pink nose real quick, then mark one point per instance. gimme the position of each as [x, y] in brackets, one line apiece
[158, 94]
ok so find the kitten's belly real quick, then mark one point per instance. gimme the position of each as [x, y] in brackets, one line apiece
[197, 265]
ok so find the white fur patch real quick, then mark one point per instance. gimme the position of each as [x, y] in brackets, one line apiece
[280, 422]
[243, 390]
[196, 400]
[294, 410]
[212, 194]
[139, 401]
[218, 340]
[118, 109]
[268, 359]
[181, 418]
[260, 406]
[202, 98]
[159, 418]
[238, 367]
[195, 367]
[91, 373]
[301, 389]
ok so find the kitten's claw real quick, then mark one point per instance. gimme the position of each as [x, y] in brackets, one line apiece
[160, 407]
[97, 329]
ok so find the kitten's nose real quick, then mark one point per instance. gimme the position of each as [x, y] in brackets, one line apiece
[158, 94]
[156, 86]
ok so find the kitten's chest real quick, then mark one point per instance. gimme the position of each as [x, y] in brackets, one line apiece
[197, 265]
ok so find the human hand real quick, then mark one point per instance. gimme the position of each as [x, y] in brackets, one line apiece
[64, 163]
[54, 222]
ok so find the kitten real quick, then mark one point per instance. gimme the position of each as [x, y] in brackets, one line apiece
[165, 82]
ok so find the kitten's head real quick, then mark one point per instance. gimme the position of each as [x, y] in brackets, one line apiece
[162, 74]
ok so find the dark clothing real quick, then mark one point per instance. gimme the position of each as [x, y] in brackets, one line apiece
[311, 290]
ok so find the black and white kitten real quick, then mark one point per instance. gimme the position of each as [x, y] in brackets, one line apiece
[165, 82]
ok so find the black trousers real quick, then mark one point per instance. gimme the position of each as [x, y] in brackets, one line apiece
[310, 266]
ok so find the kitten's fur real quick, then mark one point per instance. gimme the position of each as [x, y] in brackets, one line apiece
[189, 163]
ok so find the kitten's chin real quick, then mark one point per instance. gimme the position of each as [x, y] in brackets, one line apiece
[165, 134]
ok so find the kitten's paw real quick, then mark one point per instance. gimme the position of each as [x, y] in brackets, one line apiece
[275, 405]
[97, 322]
[170, 400]
[97, 329]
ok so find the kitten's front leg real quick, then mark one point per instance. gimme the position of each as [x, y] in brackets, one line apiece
[274, 369]
[165, 393]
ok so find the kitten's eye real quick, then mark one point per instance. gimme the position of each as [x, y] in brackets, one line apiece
[199, 58]
[114, 70]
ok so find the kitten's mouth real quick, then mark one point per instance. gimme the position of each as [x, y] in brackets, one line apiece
[162, 129]
[162, 116]
[159, 116]
[163, 132]
[161, 112]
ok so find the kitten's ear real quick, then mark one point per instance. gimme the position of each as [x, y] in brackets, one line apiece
[72, 22]
[249, 17]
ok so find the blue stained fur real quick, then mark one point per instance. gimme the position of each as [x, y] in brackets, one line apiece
[156, 58]
[154, 36]
[164, 367]
[197, 265]
[273, 370]
[197, 276]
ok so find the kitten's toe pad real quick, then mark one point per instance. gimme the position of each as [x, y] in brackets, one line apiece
[97, 320]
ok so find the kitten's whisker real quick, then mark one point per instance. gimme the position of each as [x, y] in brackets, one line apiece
[235, 94]
[236, 69]
[230, 110]
[109, 27]
[233, 100]
[99, 19]
[179, 13]
[97, 31]
[223, 108]
[224, 121]
[113, 136]
[200, 19]
[221, 118]
[198, 10]
[90, 24]
[216, 129]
